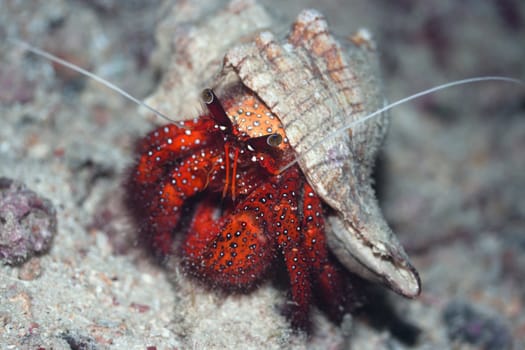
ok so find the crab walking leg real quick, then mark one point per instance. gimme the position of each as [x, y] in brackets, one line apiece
[185, 180]
[313, 229]
[168, 143]
[335, 287]
[288, 230]
[327, 276]
[234, 250]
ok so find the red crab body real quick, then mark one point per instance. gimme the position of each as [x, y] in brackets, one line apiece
[263, 215]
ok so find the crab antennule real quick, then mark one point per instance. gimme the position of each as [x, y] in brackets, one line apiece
[234, 173]
[109, 85]
[399, 102]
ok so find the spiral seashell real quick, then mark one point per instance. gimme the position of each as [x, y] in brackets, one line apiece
[316, 85]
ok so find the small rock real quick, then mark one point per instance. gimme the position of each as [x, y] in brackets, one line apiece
[14, 87]
[31, 270]
[112, 218]
[466, 324]
[5, 319]
[79, 341]
[28, 222]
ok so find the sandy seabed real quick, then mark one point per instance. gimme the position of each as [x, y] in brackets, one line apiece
[451, 182]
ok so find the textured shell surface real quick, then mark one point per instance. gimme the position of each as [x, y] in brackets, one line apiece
[316, 84]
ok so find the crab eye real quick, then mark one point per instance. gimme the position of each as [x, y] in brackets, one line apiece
[265, 142]
[274, 140]
[216, 110]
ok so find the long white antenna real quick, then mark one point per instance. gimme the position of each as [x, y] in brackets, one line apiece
[397, 103]
[93, 76]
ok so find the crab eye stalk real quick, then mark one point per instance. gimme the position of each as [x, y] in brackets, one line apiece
[216, 110]
[265, 142]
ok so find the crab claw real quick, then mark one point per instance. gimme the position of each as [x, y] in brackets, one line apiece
[365, 245]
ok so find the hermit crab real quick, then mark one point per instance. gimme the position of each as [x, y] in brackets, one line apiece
[252, 181]
[278, 169]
